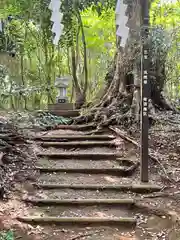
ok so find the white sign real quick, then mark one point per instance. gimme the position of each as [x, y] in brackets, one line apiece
[121, 21]
[121, 8]
[55, 5]
[56, 18]
[1, 26]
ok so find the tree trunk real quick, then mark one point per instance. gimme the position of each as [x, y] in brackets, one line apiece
[79, 94]
[120, 103]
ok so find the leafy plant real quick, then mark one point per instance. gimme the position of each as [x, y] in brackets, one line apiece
[7, 235]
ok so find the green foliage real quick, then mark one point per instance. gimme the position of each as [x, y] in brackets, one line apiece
[166, 18]
[7, 235]
[41, 120]
[38, 62]
[45, 120]
[96, 30]
[28, 78]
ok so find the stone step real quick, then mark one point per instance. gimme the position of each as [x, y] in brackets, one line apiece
[78, 163]
[65, 113]
[76, 144]
[61, 106]
[77, 155]
[77, 194]
[137, 188]
[105, 221]
[80, 127]
[119, 171]
[38, 201]
[83, 178]
[77, 137]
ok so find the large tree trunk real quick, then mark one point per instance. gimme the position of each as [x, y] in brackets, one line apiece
[80, 96]
[121, 100]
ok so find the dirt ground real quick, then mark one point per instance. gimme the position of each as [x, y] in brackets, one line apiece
[158, 214]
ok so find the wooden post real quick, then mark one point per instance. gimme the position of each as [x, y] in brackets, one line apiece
[145, 89]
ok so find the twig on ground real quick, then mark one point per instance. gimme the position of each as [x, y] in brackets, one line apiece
[85, 235]
[151, 155]
[99, 130]
[163, 194]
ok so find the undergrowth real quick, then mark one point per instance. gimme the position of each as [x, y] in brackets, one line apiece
[9, 235]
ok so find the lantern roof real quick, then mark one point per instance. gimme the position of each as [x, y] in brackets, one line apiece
[62, 81]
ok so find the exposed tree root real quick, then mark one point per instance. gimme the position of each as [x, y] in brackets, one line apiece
[173, 195]
[120, 104]
[118, 109]
[118, 112]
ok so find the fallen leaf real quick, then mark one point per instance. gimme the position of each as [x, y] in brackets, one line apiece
[123, 237]
[110, 179]
[127, 238]
[174, 216]
[100, 214]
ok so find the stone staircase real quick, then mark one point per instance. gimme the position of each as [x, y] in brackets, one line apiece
[83, 181]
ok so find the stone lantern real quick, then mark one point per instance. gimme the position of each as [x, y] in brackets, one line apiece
[61, 83]
[62, 107]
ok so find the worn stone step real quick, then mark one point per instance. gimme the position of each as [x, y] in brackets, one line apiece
[120, 171]
[76, 144]
[82, 178]
[74, 163]
[77, 155]
[91, 210]
[73, 137]
[137, 188]
[105, 221]
[119, 161]
[65, 113]
[78, 194]
[61, 106]
[38, 201]
[79, 127]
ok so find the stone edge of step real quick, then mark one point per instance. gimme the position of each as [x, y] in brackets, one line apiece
[39, 201]
[141, 188]
[79, 220]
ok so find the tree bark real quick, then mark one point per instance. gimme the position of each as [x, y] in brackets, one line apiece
[79, 94]
[120, 103]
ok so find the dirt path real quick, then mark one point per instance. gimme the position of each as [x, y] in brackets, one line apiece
[74, 198]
